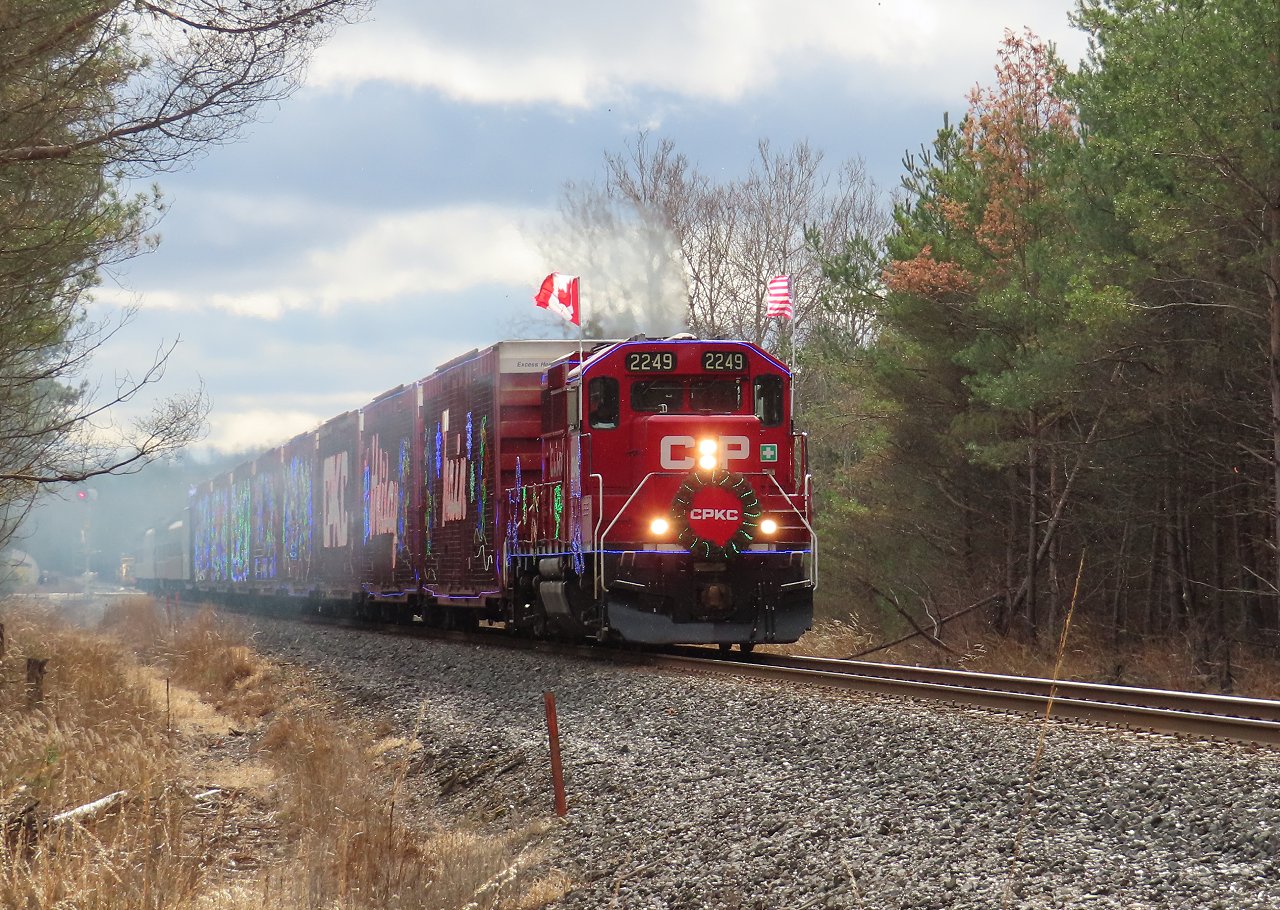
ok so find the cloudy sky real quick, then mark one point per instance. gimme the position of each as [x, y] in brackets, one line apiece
[386, 217]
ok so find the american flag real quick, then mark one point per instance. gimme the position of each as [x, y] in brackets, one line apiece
[779, 297]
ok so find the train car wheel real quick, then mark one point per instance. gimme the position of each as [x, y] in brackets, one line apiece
[531, 621]
[536, 627]
[746, 647]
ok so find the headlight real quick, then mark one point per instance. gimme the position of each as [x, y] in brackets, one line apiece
[708, 462]
[768, 526]
[659, 526]
[707, 447]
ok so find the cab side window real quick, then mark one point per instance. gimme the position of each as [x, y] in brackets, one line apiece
[602, 403]
[768, 400]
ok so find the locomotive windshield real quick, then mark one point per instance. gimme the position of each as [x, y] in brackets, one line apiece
[715, 396]
[687, 396]
[660, 396]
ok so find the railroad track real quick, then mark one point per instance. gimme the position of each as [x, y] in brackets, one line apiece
[1213, 716]
[1249, 720]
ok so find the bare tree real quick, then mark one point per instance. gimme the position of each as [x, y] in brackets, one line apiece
[145, 85]
[94, 93]
[788, 215]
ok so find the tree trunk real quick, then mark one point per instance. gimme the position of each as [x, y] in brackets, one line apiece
[1033, 618]
[1010, 558]
[1153, 580]
[1054, 515]
[1169, 559]
[1055, 592]
[1119, 611]
[1273, 381]
[1221, 625]
[1186, 563]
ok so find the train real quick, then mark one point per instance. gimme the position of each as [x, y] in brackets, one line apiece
[651, 491]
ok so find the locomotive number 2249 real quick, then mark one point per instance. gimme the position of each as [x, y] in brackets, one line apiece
[724, 361]
[651, 361]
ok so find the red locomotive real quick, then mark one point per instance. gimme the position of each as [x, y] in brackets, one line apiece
[648, 490]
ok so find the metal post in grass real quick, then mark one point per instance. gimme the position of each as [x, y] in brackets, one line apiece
[557, 772]
[35, 681]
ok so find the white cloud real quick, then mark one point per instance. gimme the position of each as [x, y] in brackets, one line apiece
[577, 54]
[441, 250]
[365, 258]
[231, 431]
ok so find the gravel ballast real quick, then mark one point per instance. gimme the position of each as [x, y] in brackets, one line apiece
[690, 791]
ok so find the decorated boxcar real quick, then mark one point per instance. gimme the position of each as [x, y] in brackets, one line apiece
[649, 490]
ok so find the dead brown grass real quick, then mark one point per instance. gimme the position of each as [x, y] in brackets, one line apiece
[828, 638]
[97, 732]
[313, 815]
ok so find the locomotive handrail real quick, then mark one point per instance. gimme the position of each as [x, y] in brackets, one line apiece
[634, 493]
[595, 531]
[813, 535]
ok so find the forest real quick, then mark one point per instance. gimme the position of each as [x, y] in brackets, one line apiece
[1073, 393]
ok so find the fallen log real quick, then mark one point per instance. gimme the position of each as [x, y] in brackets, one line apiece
[941, 622]
[88, 810]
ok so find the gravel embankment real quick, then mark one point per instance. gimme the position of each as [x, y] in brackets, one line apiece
[700, 792]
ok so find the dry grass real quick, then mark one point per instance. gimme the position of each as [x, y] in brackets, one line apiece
[828, 638]
[1169, 664]
[97, 732]
[310, 816]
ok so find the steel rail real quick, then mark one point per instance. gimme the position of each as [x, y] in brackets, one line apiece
[1223, 717]
[1169, 699]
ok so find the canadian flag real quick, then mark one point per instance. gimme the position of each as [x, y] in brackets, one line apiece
[559, 294]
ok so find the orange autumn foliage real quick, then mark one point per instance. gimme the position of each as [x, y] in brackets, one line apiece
[1006, 132]
[925, 276]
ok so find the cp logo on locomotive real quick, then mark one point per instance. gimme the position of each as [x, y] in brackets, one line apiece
[676, 453]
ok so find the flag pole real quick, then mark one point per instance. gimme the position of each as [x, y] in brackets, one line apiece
[791, 355]
[582, 331]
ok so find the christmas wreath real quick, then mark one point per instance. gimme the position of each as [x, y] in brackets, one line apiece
[703, 514]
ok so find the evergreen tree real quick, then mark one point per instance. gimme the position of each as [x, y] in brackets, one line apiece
[992, 330]
[1179, 103]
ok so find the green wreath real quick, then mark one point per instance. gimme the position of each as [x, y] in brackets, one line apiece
[735, 484]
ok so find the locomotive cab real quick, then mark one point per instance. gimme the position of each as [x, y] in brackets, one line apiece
[683, 511]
